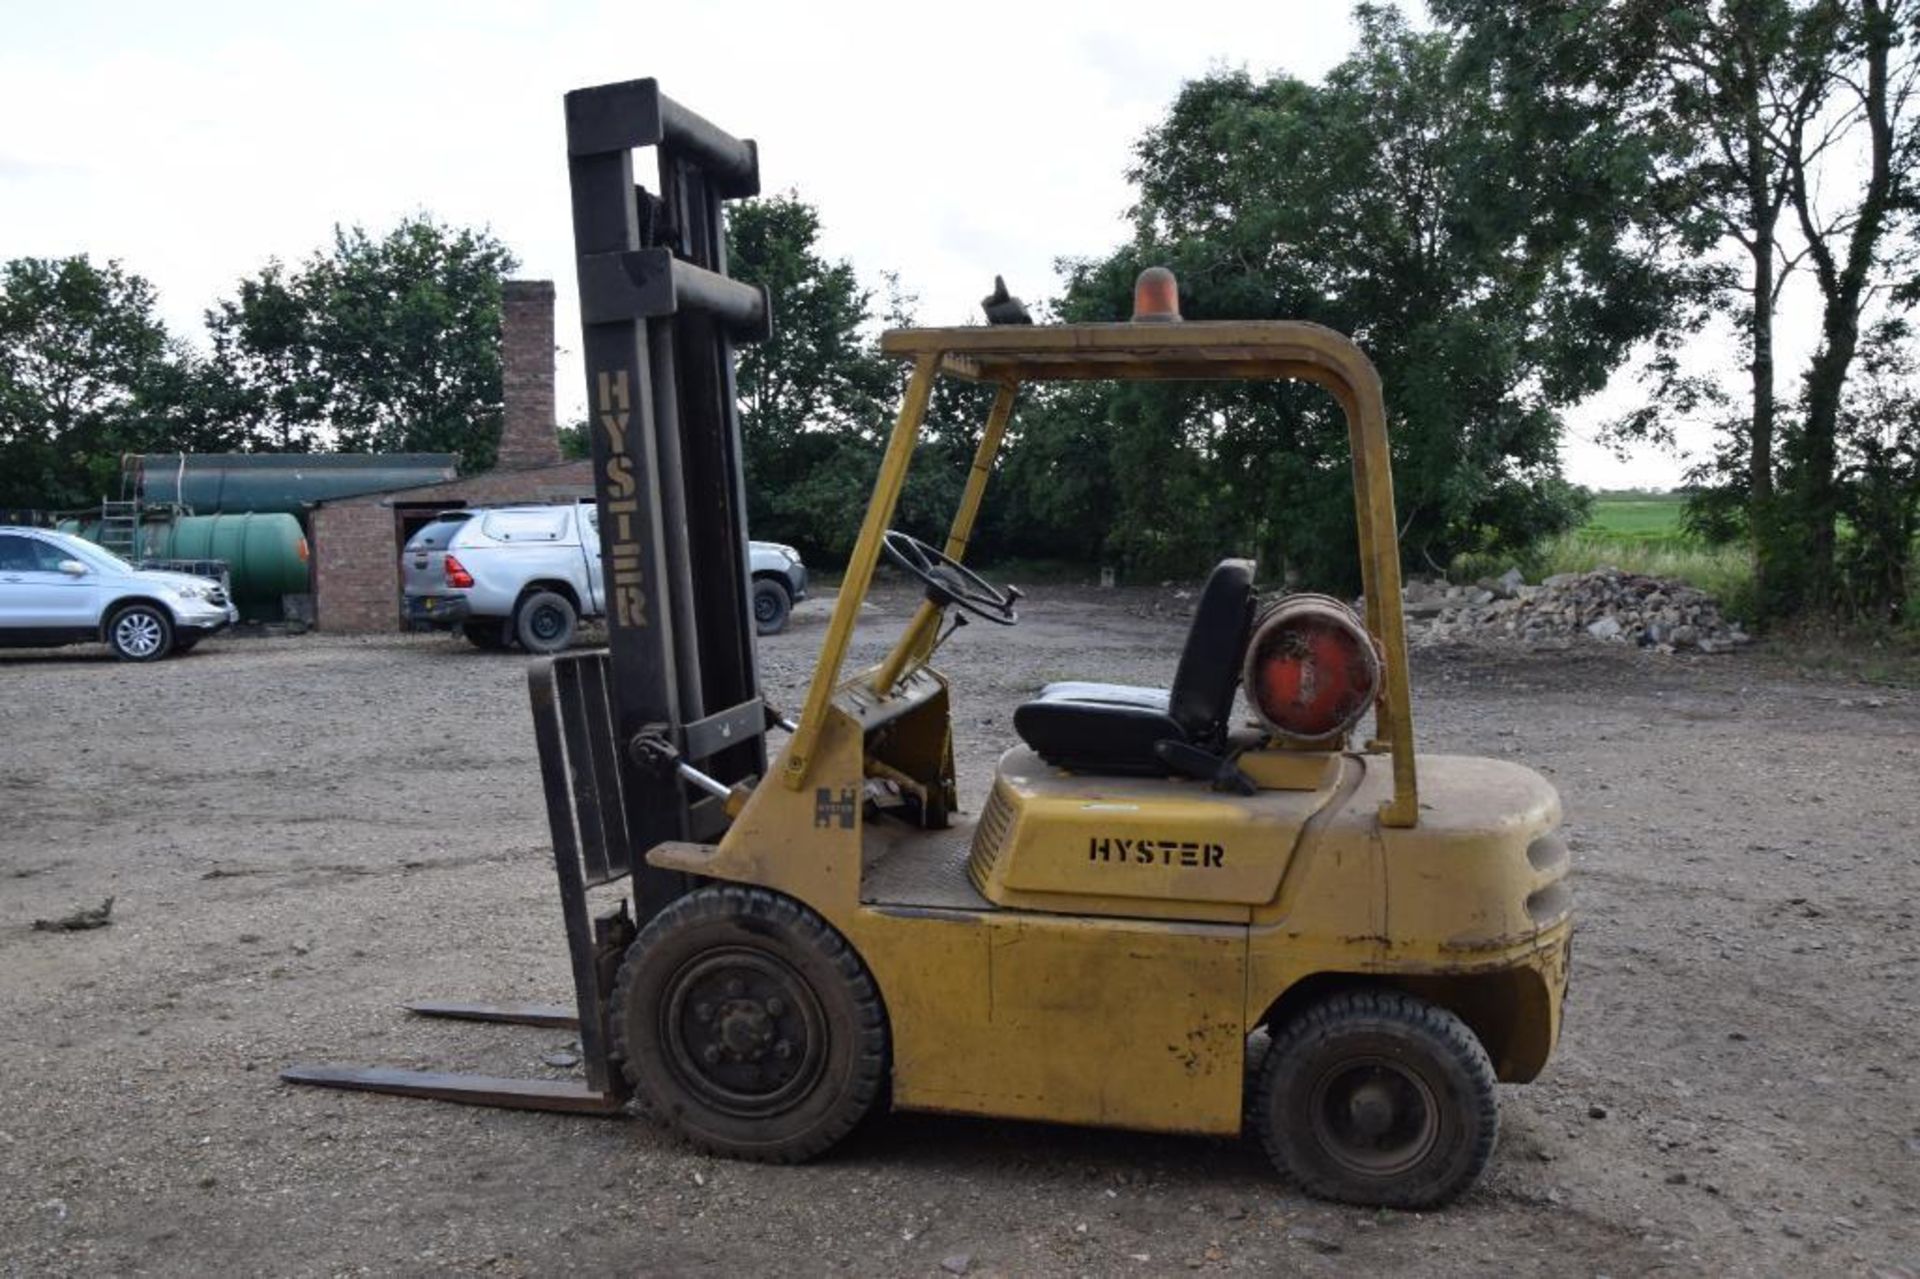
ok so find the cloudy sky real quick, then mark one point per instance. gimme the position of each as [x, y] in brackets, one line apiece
[194, 141]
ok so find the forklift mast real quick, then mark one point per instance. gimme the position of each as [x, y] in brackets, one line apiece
[660, 318]
[674, 701]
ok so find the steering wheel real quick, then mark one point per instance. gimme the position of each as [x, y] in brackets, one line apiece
[951, 582]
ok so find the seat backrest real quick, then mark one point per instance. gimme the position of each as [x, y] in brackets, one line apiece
[1202, 694]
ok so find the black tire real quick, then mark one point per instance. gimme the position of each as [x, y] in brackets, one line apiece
[772, 606]
[490, 635]
[748, 1025]
[1374, 1097]
[140, 633]
[545, 622]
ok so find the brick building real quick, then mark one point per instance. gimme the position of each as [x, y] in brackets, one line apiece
[357, 540]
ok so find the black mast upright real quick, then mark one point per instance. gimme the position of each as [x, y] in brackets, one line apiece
[659, 319]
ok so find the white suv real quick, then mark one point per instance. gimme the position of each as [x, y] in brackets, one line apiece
[59, 589]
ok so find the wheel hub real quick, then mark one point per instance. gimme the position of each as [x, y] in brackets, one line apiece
[1370, 1109]
[138, 634]
[747, 1030]
[743, 1030]
[1375, 1116]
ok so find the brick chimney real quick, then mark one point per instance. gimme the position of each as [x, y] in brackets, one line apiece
[527, 433]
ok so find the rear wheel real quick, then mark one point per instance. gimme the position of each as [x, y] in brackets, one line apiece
[1375, 1097]
[490, 635]
[545, 622]
[140, 633]
[749, 1025]
[772, 605]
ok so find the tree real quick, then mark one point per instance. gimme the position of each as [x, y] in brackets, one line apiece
[1864, 59]
[1484, 259]
[1711, 90]
[382, 344]
[83, 359]
[266, 363]
[1752, 108]
[576, 441]
[815, 398]
[1878, 453]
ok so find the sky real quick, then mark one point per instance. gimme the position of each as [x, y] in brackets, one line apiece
[195, 141]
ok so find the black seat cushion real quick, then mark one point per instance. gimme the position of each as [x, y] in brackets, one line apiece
[1080, 690]
[1098, 734]
[1112, 728]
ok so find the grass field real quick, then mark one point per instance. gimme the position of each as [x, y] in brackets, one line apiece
[1641, 533]
[1637, 517]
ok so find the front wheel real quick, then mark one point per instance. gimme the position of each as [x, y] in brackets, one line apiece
[544, 622]
[771, 607]
[140, 633]
[1374, 1097]
[745, 1022]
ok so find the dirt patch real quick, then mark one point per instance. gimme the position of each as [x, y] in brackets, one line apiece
[299, 834]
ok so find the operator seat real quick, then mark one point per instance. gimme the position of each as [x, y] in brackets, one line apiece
[1113, 728]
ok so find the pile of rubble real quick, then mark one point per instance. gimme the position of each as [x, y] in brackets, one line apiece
[1660, 613]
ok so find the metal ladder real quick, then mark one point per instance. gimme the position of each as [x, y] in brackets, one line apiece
[120, 527]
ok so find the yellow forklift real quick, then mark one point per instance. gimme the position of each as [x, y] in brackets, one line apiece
[1154, 881]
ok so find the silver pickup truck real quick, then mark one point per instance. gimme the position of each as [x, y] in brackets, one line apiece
[526, 575]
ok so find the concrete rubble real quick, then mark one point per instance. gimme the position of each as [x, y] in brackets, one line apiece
[1606, 604]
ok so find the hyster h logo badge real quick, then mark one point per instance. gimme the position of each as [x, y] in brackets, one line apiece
[829, 808]
[1157, 852]
[615, 404]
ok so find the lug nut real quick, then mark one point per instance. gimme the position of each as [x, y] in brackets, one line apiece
[736, 988]
[776, 1006]
[783, 1050]
[703, 1012]
[711, 1054]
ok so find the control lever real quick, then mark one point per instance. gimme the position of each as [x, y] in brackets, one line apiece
[959, 620]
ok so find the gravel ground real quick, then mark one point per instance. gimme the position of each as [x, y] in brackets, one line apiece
[300, 834]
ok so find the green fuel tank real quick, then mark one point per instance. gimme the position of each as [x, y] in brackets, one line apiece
[229, 483]
[266, 552]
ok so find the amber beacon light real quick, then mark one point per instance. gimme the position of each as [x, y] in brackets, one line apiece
[1156, 296]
